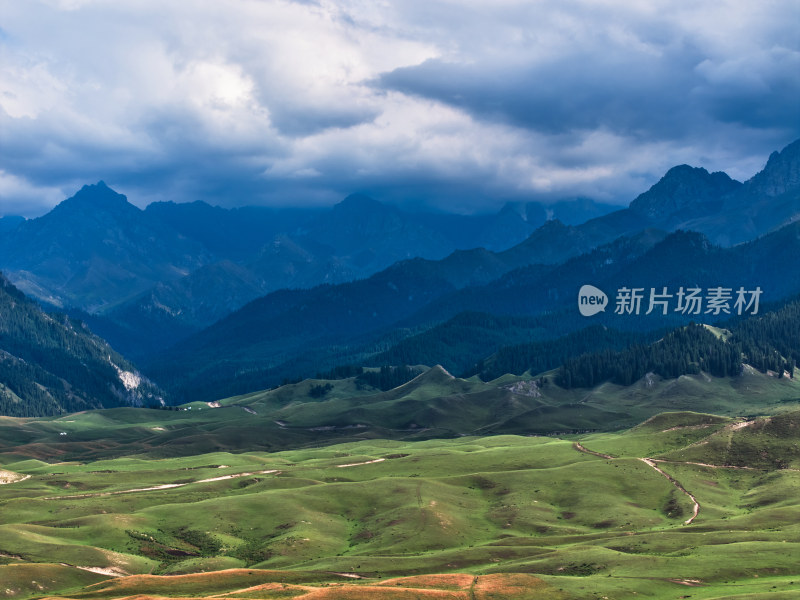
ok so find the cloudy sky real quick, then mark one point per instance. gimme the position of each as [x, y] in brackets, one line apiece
[457, 104]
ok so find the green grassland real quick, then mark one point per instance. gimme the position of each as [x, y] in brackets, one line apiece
[486, 510]
[435, 405]
[438, 488]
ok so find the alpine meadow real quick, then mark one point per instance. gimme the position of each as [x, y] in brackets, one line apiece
[330, 300]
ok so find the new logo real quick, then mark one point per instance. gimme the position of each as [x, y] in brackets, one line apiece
[591, 300]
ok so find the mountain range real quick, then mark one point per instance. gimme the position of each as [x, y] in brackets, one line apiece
[186, 289]
[148, 278]
[285, 336]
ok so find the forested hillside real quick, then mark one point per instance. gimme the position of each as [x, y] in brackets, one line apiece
[766, 343]
[51, 364]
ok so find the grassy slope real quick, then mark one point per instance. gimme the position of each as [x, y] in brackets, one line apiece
[582, 524]
[478, 505]
[435, 405]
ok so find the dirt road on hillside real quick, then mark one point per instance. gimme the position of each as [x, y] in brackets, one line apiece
[652, 463]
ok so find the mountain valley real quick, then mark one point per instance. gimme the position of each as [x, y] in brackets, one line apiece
[363, 402]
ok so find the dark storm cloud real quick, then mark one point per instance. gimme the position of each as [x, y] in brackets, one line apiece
[298, 121]
[580, 92]
[461, 105]
[759, 91]
[645, 96]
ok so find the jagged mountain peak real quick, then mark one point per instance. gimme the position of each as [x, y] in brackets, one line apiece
[97, 197]
[683, 187]
[781, 173]
[94, 250]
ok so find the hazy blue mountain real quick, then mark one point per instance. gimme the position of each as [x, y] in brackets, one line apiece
[237, 234]
[768, 200]
[371, 236]
[780, 175]
[171, 311]
[535, 289]
[290, 323]
[10, 222]
[726, 211]
[327, 320]
[683, 192]
[51, 364]
[646, 260]
[95, 250]
[512, 224]
[553, 243]
[280, 326]
[578, 210]
[354, 308]
[275, 338]
[353, 240]
[506, 228]
[159, 275]
[682, 259]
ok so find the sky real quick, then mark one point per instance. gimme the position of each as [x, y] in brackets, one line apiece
[453, 105]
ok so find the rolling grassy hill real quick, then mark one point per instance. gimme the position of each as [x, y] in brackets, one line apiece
[433, 405]
[442, 487]
[474, 517]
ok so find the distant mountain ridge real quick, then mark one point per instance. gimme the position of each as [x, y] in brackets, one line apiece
[148, 279]
[684, 190]
[280, 336]
[726, 211]
[95, 250]
[767, 201]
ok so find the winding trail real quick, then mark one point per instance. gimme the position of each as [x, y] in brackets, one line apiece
[677, 484]
[169, 486]
[580, 448]
[699, 464]
[652, 463]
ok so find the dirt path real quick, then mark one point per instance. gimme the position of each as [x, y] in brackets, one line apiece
[165, 486]
[652, 463]
[580, 448]
[676, 483]
[472, 595]
[9, 477]
[699, 464]
[169, 486]
[366, 462]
